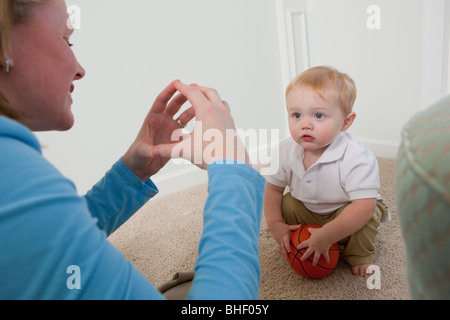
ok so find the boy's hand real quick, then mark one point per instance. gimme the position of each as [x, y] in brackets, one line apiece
[282, 234]
[317, 244]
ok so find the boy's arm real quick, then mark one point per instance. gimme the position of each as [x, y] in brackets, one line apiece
[352, 218]
[274, 219]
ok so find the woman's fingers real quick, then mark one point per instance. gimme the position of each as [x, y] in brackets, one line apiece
[175, 104]
[212, 95]
[164, 97]
[213, 137]
[192, 93]
[187, 115]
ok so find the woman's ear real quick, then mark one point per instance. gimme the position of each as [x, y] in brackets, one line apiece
[348, 121]
[6, 65]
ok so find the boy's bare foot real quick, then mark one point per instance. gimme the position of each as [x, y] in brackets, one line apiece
[362, 270]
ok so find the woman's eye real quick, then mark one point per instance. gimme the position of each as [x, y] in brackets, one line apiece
[68, 42]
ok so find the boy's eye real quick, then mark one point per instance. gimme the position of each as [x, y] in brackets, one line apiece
[319, 116]
[297, 115]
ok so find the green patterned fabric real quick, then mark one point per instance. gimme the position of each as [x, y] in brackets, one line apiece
[423, 198]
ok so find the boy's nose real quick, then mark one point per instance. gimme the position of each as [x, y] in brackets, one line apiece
[306, 123]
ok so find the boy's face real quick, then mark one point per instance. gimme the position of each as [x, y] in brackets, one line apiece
[315, 123]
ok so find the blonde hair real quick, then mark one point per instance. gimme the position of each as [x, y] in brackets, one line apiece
[329, 83]
[11, 12]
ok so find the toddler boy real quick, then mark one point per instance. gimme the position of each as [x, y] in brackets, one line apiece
[333, 179]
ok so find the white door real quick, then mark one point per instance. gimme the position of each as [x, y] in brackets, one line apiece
[293, 38]
[436, 53]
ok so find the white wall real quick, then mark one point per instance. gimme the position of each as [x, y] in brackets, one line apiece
[385, 63]
[131, 50]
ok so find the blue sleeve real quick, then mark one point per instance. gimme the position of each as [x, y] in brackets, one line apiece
[51, 245]
[228, 264]
[117, 196]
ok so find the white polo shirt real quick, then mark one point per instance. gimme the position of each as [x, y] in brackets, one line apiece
[346, 171]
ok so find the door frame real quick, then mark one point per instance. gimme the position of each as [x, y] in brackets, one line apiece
[435, 50]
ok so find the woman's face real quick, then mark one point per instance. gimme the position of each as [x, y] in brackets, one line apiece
[44, 68]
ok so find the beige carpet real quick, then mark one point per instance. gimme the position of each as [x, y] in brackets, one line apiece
[162, 239]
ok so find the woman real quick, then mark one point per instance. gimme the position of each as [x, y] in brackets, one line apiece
[53, 243]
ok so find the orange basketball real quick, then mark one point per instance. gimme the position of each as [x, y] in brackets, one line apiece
[305, 268]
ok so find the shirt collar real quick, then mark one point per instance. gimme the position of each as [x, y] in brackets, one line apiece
[333, 152]
[13, 129]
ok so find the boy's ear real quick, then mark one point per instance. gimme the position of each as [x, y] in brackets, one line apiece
[348, 121]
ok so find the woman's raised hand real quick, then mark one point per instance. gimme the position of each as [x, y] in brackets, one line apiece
[157, 129]
[214, 135]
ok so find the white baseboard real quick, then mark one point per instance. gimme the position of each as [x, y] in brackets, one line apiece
[191, 176]
[178, 180]
[382, 149]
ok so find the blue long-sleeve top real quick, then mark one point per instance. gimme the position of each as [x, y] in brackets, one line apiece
[53, 243]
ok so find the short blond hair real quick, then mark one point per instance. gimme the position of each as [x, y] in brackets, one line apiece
[329, 83]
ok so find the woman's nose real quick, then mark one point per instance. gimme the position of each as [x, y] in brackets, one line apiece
[80, 72]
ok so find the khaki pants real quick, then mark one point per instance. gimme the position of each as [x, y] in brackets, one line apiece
[359, 248]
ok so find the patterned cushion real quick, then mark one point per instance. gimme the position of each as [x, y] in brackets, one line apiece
[423, 198]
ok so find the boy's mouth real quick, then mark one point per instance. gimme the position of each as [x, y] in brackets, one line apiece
[307, 138]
